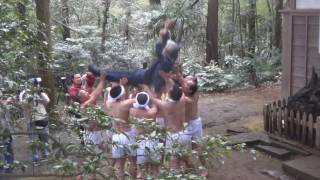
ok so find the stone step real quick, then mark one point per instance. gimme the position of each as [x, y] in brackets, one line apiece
[249, 138]
[274, 151]
[306, 168]
[289, 147]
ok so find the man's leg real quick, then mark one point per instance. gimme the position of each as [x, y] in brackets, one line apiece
[9, 158]
[119, 165]
[197, 135]
[45, 139]
[33, 141]
[133, 166]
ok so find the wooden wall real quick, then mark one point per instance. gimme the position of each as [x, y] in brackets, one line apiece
[300, 48]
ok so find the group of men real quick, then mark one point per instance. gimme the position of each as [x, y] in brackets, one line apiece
[160, 93]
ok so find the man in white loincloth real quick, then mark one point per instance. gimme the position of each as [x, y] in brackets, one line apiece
[174, 113]
[118, 107]
[148, 156]
[194, 128]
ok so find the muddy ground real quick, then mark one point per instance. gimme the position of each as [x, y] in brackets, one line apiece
[236, 109]
[240, 110]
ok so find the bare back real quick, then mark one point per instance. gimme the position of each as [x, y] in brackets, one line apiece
[142, 114]
[191, 107]
[174, 114]
[120, 110]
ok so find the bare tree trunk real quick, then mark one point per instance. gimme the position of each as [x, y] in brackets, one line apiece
[233, 30]
[99, 17]
[65, 19]
[277, 24]
[104, 23]
[240, 29]
[21, 9]
[180, 30]
[212, 32]
[126, 26]
[252, 27]
[271, 24]
[44, 55]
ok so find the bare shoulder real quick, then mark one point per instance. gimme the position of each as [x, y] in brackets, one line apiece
[127, 102]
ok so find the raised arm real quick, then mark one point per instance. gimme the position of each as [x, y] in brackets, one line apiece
[151, 113]
[94, 95]
[44, 98]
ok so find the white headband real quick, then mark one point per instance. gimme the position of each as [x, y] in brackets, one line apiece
[111, 99]
[145, 105]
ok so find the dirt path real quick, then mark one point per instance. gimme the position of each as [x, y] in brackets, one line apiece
[239, 110]
[236, 109]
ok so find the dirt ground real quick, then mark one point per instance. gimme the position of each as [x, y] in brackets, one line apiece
[240, 109]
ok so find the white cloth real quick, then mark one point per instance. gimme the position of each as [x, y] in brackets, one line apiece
[145, 105]
[111, 99]
[176, 142]
[148, 151]
[34, 105]
[122, 144]
[160, 121]
[195, 129]
[95, 137]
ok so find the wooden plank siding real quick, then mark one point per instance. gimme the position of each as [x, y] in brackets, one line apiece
[300, 49]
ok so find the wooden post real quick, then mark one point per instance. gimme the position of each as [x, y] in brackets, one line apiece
[279, 118]
[274, 117]
[286, 127]
[304, 128]
[291, 119]
[270, 117]
[265, 117]
[318, 133]
[310, 130]
[297, 122]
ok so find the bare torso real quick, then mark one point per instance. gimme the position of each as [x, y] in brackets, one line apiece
[174, 114]
[142, 114]
[191, 107]
[119, 110]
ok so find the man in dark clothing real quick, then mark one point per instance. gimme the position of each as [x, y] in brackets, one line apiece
[161, 43]
[154, 76]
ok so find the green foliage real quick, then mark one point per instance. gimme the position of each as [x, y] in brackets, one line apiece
[178, 174]
[234, 71]
[18, 42]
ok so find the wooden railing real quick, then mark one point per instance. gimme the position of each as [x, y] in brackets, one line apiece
[292, 125]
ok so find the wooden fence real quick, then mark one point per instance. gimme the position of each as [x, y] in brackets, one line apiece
[292, 125]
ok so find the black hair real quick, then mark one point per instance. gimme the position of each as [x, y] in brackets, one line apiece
[194, 86]
[175, 93]
[142, 98]
[115, 91]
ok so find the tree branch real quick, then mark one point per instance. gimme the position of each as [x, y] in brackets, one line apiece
[194, 3]
[64, 25]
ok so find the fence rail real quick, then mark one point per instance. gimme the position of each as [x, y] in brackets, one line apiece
[292, 125]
